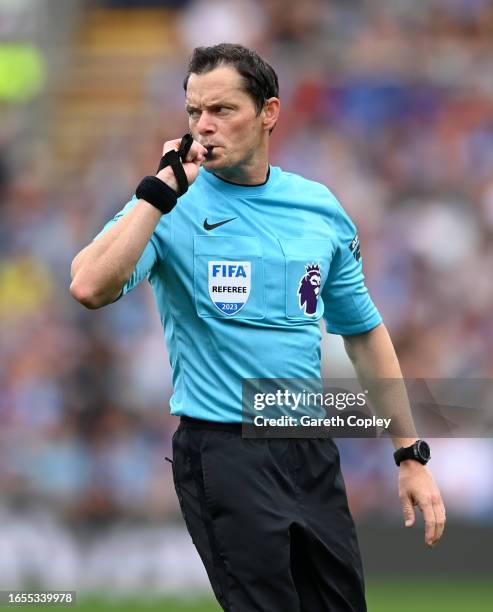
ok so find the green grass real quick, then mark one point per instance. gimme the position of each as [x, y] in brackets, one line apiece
[454, 595]
[383, 596]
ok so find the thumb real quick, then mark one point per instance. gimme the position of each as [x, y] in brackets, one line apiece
[408, 510]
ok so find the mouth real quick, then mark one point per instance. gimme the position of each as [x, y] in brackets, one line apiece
[210, 152]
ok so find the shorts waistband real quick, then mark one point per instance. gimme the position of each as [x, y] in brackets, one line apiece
[190, 423]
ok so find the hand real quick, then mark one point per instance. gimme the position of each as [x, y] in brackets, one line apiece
[417, 487]
[191, 165]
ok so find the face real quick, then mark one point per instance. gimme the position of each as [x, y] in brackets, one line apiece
[222, 114]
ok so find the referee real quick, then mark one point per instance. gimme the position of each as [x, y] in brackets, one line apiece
[244, 259]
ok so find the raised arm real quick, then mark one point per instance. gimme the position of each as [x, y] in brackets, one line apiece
[102, 268]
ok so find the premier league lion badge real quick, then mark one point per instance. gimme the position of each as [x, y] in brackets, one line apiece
[309, 289]
[229, 284]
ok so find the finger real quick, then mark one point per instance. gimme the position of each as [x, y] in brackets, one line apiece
[198, 161]
[197, 152]
[171, 145]
[439, 510]
[430, 522]
[408, 511]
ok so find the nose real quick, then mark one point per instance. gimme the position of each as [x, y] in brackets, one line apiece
[205, 124]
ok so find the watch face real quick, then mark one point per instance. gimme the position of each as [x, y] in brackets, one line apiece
[423, 450]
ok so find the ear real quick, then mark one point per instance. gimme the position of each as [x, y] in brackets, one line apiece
[270, 113]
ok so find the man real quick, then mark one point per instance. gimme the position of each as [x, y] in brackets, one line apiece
[242, 268]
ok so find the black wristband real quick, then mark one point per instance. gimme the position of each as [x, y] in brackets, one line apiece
[156, 192]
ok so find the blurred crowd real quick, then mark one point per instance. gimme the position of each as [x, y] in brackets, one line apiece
[388, 103]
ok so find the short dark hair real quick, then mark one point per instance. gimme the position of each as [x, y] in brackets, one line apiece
[259, 78]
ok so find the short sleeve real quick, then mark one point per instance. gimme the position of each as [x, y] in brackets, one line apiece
[348, 308]
[147, 260]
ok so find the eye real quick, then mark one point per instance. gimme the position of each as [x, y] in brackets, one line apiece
[221, 110]
[193, 113]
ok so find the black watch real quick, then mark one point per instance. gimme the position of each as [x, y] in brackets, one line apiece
[419, 451]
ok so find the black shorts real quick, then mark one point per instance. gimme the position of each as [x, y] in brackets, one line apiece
[269, 518]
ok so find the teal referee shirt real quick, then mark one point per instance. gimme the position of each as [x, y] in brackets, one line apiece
[241, 276]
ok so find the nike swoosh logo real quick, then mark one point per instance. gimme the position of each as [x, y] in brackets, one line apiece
[211, 226]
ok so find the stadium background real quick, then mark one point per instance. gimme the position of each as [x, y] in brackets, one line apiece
[390, 103]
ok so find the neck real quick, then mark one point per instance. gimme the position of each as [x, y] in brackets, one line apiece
[240, 177]
[245, 175]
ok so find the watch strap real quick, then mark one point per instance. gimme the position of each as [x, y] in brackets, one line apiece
[411, 452]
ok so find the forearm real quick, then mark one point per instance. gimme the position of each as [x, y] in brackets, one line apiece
[377, 367]
[101, 269]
